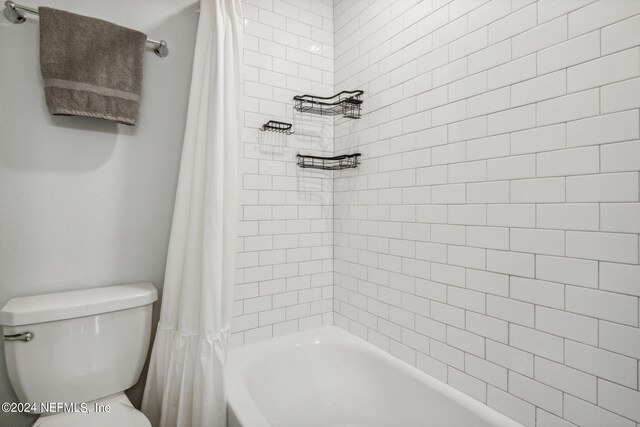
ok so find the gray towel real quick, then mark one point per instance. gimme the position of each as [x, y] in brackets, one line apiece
[91, 68]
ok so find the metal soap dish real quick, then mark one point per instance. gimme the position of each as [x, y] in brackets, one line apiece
[275, 126]
[345, 161]
[346, 103]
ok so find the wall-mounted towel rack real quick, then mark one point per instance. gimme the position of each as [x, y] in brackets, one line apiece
[15, 13]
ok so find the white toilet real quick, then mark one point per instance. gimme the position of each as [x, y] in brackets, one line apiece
[84, 347]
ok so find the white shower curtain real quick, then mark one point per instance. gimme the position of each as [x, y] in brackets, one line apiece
[185, 384]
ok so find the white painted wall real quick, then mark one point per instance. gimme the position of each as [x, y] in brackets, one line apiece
[84, 202]
[285, 265]
[490, 237]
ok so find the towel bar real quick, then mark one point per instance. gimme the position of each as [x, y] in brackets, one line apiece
[14, 13]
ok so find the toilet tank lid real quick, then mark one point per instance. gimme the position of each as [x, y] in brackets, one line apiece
[80, 303]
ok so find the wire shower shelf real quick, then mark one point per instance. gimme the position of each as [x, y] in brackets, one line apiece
[346, 103]
[275, 126]
[345, 161]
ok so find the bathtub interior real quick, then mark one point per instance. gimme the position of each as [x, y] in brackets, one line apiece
[336, 380]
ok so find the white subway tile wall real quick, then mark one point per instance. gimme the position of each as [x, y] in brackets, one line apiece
[490, 236]
[285, 262]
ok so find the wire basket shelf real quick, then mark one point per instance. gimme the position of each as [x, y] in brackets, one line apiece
[346, 103]
[346, 161]
[275, 126]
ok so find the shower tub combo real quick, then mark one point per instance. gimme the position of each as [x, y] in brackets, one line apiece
[328, 377]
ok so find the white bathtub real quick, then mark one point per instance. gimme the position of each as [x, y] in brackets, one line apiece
[329, 378]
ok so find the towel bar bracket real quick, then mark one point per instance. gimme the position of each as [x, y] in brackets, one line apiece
[15, 13]
[161, 48]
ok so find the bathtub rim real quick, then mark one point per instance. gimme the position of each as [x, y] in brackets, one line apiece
[242, 406]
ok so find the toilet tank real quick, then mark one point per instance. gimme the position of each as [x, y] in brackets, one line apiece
[85, 344]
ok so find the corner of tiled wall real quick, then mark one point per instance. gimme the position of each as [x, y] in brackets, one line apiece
[490, 235]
